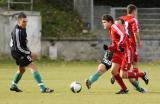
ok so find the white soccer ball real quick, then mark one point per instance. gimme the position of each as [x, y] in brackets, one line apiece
[75, 87]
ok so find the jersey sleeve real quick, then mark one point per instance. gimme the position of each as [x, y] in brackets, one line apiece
[122, 35]
[19, 42]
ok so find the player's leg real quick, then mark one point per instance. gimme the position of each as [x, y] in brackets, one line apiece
[136, 85]
[135, 60]
[135, 75]
[20, 70]
[133, 81]
[38, 78]
[115, 72]
[135, 63]
[131, 57]
[141, 74]
[17, 77]
[34, 56]
[138, 74]
[101, 69]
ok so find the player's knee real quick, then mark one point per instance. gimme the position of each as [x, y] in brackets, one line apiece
[21, 70]
[123, 74]
[32, 67]
[115, 68]
[34, 56]
[114, 72]
[101, 68]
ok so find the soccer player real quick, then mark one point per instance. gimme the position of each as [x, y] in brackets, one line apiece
[132, 30]
[120, 48]
[107, 22]
[127, 66]
[103, 67]
[117, 46]
[23, 56]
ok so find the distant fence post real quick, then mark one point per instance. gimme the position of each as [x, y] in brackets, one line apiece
[92, 15]
[86, 9]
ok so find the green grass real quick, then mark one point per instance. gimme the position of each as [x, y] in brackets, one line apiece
[60, 74]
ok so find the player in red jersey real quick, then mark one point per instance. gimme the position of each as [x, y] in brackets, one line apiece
[126, 66]
[119, 47]
[132, 29]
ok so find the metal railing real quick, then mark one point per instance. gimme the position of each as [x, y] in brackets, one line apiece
[119, 11]
[25, 3]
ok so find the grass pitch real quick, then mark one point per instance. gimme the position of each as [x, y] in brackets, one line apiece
[59, 75]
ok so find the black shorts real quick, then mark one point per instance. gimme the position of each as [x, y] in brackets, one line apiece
[107, 63]
[107, 60]
[22, 60]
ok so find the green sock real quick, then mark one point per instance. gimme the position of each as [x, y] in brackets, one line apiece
[17, 77]
[94, 77]
[136, 85]
[38, 79]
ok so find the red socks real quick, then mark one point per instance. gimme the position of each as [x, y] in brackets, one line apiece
[120, 82]
[132, 75]
[140, 74]
[135, 70]
[135, 73]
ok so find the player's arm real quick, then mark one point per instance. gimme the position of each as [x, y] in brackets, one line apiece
[110, 48]
[34, 56]
[19, 41]
[137, 39]
[123, 36]
[136, 32]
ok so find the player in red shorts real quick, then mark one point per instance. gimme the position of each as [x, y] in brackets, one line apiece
[132, 29]
[119, 47]
[126, 66]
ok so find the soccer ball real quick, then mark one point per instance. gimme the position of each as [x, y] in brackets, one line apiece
[75, 87]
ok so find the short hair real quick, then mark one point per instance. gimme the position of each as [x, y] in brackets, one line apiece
[108, 18]
[22, 15]
[131, 8]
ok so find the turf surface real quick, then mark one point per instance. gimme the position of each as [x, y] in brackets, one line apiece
[59, 75]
